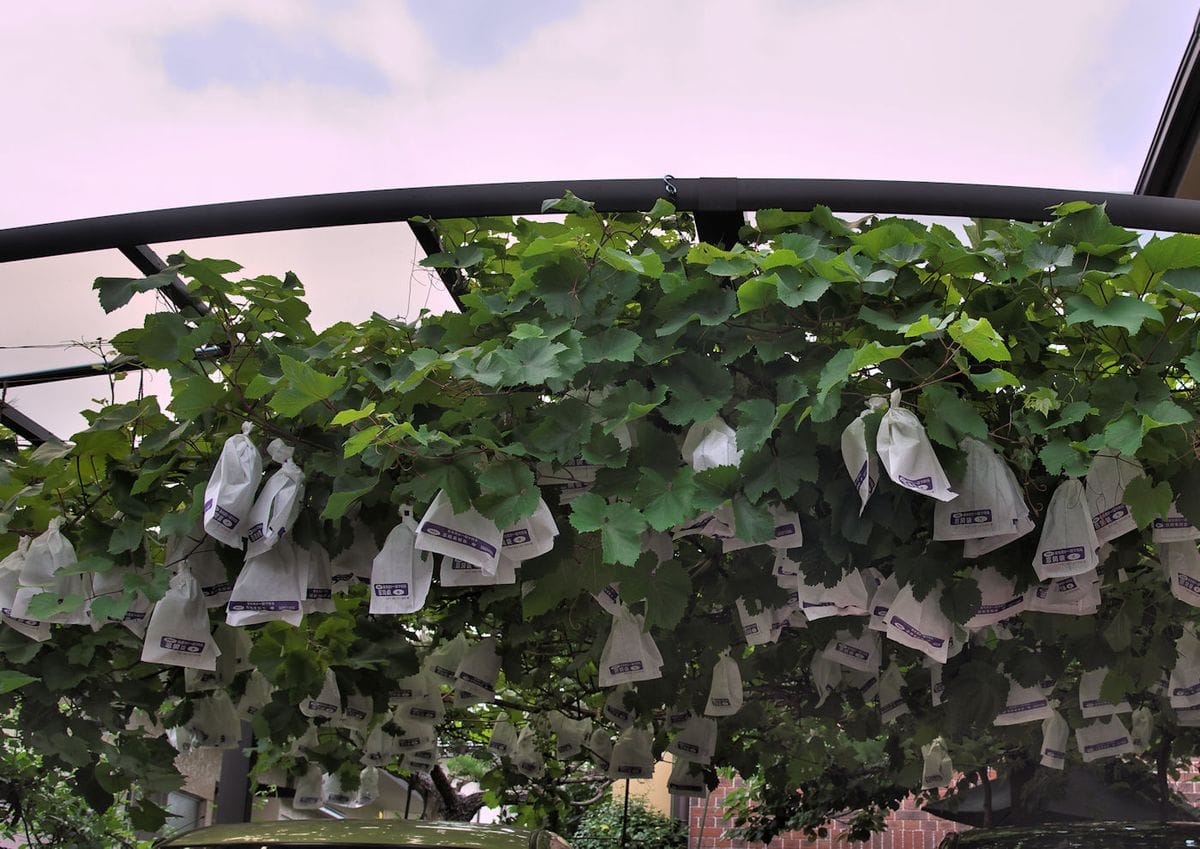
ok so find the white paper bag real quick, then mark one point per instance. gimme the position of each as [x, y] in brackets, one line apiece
[600, 744]
[10, 570]
[47, 556]
[504, 736]
[327, 703]
[615, 709]
[334, 793]
[1091, 704]
[256, 696]
[215, 723]
[985, 506]
[270, 587]
[861, 653]
[368, 788]
[632, 756]
[400, 574]
[1024, 704]
[937, 768]
[527, 757]
[352, 564]
[178, 633]
[860, 461]
[1104, 738]
[1105, 486]
[469, 536]
[318, 588]
[881, 602]
[907, 456]
[531, 537]
[609, 599]
[475, 679]
[443, 661]
[1022, 522]
[569, 734]
[1054, 741]
[826, 676]
[1173, 527]
[696, 740]
[1181, 563]
[629, 654]
[309, 793]
[278, 505]
[725, 693]
[1078, 595]
[787, 533]
[891, 698]
[453, 572]
[1141, 728]
[230, 491]
[920, 625]
[687, 780]
[1068, 543]
[937, 687]
[1183, 687]
[848, 597]
[999, 599]
[379, 749]
[356, 713]
[426, 705]
[707, 525]
[756, 627]
[210, 573]
[710, 444]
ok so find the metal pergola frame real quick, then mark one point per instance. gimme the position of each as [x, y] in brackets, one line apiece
[719, 205]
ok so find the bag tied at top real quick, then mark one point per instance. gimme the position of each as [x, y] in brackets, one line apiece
[710, 444]
[987, 506]
[230, 491]
[469, 535]
[277, 506]
[400, 574]
[907, 456]
[1054, 741]
[1024, 704]
[1104, 485]
[475, 679]
[178, 633]
[629, 653]
[270, 587]
[725, 693]
[860, 460]
[920, 625]
[1068, 543]
[937, 768]
[1104, 738]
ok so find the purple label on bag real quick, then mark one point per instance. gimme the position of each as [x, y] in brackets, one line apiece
[971, 517]
[1054, 753]
[989, 609]
[457, 565]
[719, 701]
[342, 577]
[181, 645]
[520, 536]
[421, 713]
[925, 484]
[677, 718]
[890, 706]
[451, 535]
[912, 631]
[1189, 583]
[355, 713]
[1186, 691]
[1107, 744]
[134, 616]
[851, 651]
[616, 712]
[687, 747]
[868, 684]
[498, 747]
[255, 533]
[627, 666]
[265, 606]
[443, 671]
[477, 681]
[862, 475]
[316, 593]
[631, 770]
[1089, 703]
[33, 623]
[224, 517]
[217, 589]
[1170, 523]
[1023, 707]
[322, 707]
[1107, 517]
[1069, 554]
[612, 593]
[880, 610]
[399, 590]
[784, 530]
[751, 629]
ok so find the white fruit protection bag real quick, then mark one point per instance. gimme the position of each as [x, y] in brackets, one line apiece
[725, 694]
[1091, 704]
[609, 599]
[256, 696]
[400, 574]
[710, 444]
[443, 661]
[469, 535]
[215, 723]
[47, 557]
[1173, 527]
[327, 703]
[198, 551]
[179, 633]
[277, 506]
[526, 756]
[1078, 595]
[615, 709]
[756, 627]
[696, 741]
[999, 599]
[986, 505]
[629, 653]
[530, 537]
[891, 699]
[1141, 728]
[860, 460]
[687, 780]
[310, 790]
[881, 602]
[1022, 523]
[1024, 704]
[356, 714]
[1104, 485]
[475, 679]
[230, 491]
[920, 625]
[504, 736]
[907, 456]
[1104, 738]
[270, 587]
[826, 676]
[861, 653]
[937, 768]
[867, 683]
[1183, 687]
[1055, 732]
[787, 533]
[1068, 543]
[318, 588]
[352, 564]
[569, 734]
[600, 744]
[937, 686]
[632, 756]
[10, 571]
[453, 572]
[1181, 563]
[848, 597]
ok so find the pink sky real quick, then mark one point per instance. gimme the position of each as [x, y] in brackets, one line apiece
[132, 105]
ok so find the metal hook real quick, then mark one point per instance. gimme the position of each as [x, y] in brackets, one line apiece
[669, 185]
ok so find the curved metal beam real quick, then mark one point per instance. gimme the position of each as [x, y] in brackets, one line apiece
[697, 195]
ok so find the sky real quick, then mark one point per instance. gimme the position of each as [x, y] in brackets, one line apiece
[132, 105]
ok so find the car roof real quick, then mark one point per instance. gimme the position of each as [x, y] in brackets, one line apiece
[380, 833]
